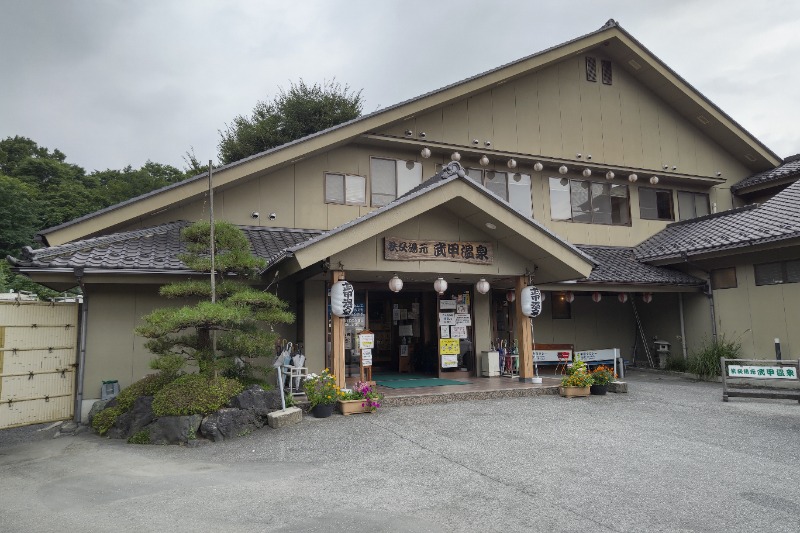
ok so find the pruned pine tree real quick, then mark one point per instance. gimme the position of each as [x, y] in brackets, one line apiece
[241, 317]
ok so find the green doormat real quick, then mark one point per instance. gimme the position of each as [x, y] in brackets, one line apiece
[395, 376]
[424, 382]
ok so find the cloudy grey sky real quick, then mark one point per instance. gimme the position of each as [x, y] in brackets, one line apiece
[118, 82]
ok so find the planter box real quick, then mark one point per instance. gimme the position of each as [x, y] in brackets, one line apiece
[574, 392]
[351, 407]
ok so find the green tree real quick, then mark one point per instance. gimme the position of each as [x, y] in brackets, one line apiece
[302, 110]
[240, 317]
[18, 215]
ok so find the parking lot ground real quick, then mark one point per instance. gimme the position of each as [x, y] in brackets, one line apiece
[667, 456]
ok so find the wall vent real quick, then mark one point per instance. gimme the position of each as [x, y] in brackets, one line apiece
[634, 64]
[750, 157]
[606, 68]
[703, 119]
[591, 69]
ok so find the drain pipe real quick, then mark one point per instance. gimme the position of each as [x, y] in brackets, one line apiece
[81, 345]
[683, 326]
[709, 292]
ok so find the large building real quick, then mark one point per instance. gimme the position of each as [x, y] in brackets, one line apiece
[591, 170]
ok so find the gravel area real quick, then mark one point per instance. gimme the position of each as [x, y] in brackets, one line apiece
[667, 456]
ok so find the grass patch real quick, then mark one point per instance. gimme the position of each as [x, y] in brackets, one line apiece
[705, 362]
[140, 437]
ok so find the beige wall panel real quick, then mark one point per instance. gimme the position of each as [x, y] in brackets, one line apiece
[348, 160]
[611, 111]
[362, 256]
[569, 105]
[591, 119]
[550, 120]
[697, 319]
[668, 134]
[309, 192]
[314, 336]
[632, 151]
[479, 110]
[238, 202]
[431, 125]
[540, 197]
[277, 195]
[687, 147]
[340, 214]
[398, 129]
[455, 124]
[504, 118]
[528, 119]
[660, 319]
[483, 322]
[651, 138]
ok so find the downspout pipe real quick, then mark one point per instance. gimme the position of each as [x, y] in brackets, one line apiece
[81, 346]
[709, 292]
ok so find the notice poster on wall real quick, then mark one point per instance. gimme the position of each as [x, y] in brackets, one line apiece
[447, 304]
[405, 330]
[348, 340]
[449, 347]
[447, 319]
[458, 332]
[366, 357]
[444, 332]
[366, 340]
[462, 309]
[404, 350]
[463, 320]
[449, 361]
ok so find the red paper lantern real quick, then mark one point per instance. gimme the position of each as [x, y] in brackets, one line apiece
[511, 296]
[622, 297]
[569, 297]
[596, 296]
[647, 297]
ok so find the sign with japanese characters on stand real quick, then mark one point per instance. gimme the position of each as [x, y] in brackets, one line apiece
[398, 249]
[761, 372]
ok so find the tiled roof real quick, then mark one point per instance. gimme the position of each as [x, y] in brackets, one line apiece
[616, 264]
[150, 249]
[775, 220]
[789, 169]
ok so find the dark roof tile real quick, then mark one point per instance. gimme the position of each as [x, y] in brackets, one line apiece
[789, 169]
[616, 264]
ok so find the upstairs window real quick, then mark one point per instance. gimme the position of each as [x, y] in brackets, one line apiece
[692, 205]
[390, 178]
[513, 187]
[591, 69]
[589, 202]
[655, 204]
[345, 189]
[606, 71]
[777, 273]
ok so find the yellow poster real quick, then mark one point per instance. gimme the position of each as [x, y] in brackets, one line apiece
[449, 347]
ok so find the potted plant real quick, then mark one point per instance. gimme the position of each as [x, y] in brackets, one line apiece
[601, 377]
[322, 393]
[578, 380]
[361, 399]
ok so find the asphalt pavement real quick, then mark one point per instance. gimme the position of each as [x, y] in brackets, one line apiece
[667, 456]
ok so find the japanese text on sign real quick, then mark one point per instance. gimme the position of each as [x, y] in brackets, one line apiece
[460, 251]
[761, 372]
[449, 347]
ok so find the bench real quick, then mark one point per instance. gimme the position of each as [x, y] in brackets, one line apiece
[750, 378]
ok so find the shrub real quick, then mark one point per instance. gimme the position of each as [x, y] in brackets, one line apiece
[147, 386]
[194, 394]
[705, 361]
[140, 437]
[103, 420]
[676, 363]
[577, 374]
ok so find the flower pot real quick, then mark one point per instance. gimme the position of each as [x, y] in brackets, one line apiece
[351, 407]
[599, 389]
[323, 410]
[574, 392]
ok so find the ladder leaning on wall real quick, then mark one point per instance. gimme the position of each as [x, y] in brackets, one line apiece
[640, 332]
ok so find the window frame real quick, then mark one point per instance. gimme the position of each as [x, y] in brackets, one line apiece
[344, 176]
[721, 284]
[657, 190]
[694, 204]
[592, 213]
[396, 177]
[565, 312]
[784, 268]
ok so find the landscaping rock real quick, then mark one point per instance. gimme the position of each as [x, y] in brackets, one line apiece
[97, 406]
[174, 429]
[285, 417]
[618, 386]
[140, 415]
[258, 400]
[230, 423]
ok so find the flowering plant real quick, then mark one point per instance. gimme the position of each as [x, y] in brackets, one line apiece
[321, 389]
[602, 375]
[577, 375]
[363, 391]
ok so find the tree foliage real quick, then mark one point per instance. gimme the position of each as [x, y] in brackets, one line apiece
[241, 317]
[302, 110]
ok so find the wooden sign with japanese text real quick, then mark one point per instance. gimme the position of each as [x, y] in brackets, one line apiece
[398, 249]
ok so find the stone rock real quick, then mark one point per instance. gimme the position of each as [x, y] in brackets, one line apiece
[618, 386]
[285, 417]
[174, 429]
[97, 406]
[230, 423]
[257, 399]
[140, 415]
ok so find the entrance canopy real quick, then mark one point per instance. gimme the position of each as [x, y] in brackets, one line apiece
[449, 217]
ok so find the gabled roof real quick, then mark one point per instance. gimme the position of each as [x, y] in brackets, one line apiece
[787, 172]
[617, 265]
[777, 220]
[616, 42]
[153, 249]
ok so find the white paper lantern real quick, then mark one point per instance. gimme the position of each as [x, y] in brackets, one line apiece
[425, 152]
[511, 296]
[512, 163]
[538, 166]
[455, 156]
[586, 172]
[395, 284]
[647, 297]
[544, 296]
[632, 178]
[530, 301]
[343, 298]
[654, 180]
[484, 161]
[482, 286]
[563, 169]
[569, 297]
[596, 296]
[609, 175]
[440, 286]
[622, 297]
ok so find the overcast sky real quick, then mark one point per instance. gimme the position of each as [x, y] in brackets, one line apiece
[113, 83]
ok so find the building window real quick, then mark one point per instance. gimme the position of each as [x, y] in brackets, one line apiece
[777, 273]
[692, 205]
[724, 278]
[390, 178]
[655, 204]
[345, 189]
[513, 187]
[560, 308]
[591, 69]
[606, 71]
[589, 202]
